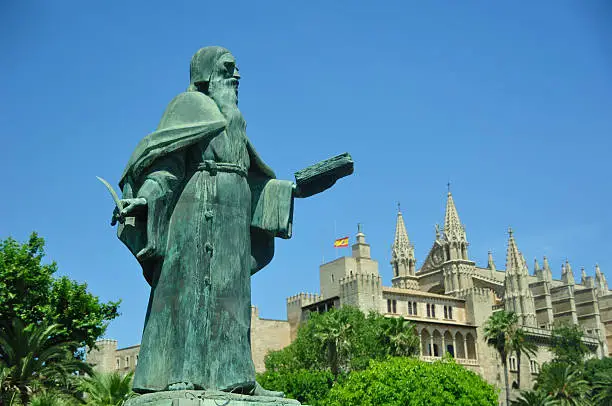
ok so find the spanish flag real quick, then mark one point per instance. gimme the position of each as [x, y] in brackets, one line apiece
[341, 242]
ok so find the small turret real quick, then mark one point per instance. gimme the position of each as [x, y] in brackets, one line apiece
[403, 260]
[453, 237]
[600, 281]
[537, 271]
[567, 275]
[490, 263]
[518, 297]
[360, 249]
[546, 269]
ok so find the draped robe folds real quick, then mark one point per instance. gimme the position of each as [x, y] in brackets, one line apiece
[205, 232]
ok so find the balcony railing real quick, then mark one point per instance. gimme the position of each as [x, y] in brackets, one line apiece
[462, 361]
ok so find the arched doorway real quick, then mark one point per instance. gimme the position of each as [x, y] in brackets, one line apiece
[448, 342]
[425, 343]
[460, 348]
[437, 340]
[471, 346]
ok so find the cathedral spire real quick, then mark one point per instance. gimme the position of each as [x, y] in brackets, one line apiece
[537, 271]
[490, 263]
[453, 229]
[600, 281]
[402, 251]
[567, 274]
[518, 297]
[547, 270]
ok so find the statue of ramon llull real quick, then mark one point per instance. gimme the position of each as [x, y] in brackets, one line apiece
[200, 211]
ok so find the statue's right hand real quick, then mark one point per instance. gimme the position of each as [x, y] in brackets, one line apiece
[131, 207]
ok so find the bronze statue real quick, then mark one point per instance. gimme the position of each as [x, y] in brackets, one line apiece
[200, 212]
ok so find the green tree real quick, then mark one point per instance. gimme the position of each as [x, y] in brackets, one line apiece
[597, 366]
[109, 389]
[564, 383]
[334, 333]
[408, 381]
[36, 357]
[533, 398]
[602, 388]
[519, 344]
[398, 338]
[306, 386]
[51, 398]
[344, 340]
[497, 331]
[567, 344]
[29, 291]
[8, 391]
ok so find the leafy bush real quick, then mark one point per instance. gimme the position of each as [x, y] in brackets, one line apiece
[307, 386]
[408, 381]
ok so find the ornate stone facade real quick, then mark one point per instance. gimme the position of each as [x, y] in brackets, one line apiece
[448, 299]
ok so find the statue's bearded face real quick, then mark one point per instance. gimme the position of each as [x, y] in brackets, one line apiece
[223, 89]
[223, 85]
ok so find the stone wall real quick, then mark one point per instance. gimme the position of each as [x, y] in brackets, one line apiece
[266, 335]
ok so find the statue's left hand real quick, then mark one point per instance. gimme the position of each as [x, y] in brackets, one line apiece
[131, 207]
[297, 192]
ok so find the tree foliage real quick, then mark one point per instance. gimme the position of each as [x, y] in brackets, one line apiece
[306, 386]
[567, 345]
[344, 340]
[29, 292]
[408, 381]
[534, 398]
[498, 330]
[34, 357]
[109, 389]
[564, 383]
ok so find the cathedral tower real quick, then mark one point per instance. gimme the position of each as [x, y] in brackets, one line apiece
[403, 261]
[458, 268]
[518, 297]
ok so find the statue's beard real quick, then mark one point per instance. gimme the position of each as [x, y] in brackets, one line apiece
[225, 94]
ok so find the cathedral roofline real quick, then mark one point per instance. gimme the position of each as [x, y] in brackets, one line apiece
[413, 292]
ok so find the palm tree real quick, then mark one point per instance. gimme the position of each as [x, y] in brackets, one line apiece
[497, 332]
[333, 333]
[563, 383]
[7, 389]
[110, 389]
[520, 345]
[36, 357]
[398, 337]
[533, 398]
[602, 388]
[49, 398]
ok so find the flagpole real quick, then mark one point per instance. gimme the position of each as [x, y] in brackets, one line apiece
[335, 237]
[322, 251]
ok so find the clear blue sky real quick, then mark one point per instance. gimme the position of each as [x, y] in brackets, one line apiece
[510, 101]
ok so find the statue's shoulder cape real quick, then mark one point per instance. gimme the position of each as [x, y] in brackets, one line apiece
[189, 118]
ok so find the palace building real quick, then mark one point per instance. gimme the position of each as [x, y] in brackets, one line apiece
[448, 299]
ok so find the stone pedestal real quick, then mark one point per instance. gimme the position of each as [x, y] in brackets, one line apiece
[206, 398]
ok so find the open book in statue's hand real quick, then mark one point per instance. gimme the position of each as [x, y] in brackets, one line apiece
[322, 175]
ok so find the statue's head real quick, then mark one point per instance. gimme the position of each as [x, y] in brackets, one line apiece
[213, 71]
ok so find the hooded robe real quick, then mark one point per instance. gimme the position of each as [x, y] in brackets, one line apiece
[213, 210]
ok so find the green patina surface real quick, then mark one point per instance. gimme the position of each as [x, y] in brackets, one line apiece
[200, 211]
